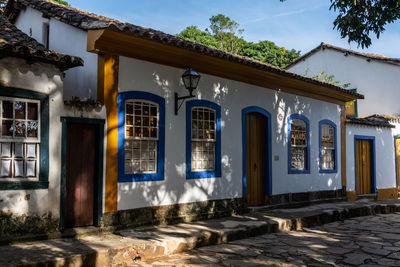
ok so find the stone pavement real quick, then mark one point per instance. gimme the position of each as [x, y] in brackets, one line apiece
[143, 245]
[361, 241]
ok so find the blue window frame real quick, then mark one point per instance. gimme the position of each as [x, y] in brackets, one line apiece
[43, 176]
[212, 109]
[156, 101]
[327, 147]
[298, 144]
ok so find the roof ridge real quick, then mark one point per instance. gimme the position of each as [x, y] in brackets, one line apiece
[89, 21]
[324, 45]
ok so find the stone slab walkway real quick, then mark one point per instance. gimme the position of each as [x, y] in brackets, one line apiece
[127, 247]
[362, 241]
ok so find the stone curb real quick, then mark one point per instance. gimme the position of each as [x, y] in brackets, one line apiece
[142, 244]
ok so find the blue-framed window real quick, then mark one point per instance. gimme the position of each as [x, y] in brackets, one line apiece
[203, 139]
[141, 137]
[24, 139]
[327, 147]
[298, 144]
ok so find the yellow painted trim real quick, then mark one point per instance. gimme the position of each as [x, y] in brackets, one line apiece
[351, 196]
[108, 94]
[387, 193]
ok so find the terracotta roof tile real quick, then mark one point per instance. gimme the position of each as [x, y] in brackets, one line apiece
[89, 21]
[14, 42]
[373, 121]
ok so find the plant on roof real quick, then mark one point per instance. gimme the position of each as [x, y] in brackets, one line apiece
[62, 2]
[225, 34]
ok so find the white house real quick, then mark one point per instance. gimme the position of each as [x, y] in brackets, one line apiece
[373, 121]
[253, 134]
[31, 88]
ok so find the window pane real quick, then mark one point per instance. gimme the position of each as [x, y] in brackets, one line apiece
[18, 168]
[31, 150]
[31, 168]
[6, 150]
[7, 128]
[7, 109]
[20, 129]
[20, 110]
[5, 168]
[32, 111]
[19, 150]
[32, 129]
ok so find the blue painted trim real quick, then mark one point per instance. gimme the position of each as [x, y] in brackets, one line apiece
[268, 152]
[159, 175]
[395, 160]
[98, 183]
[334, 170]
[373, 162]
[202, 174]
[307, 169]
[43, 182]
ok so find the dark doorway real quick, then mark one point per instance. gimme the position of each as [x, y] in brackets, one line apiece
[81, 172]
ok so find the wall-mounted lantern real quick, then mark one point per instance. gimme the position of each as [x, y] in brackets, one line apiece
[190, 79]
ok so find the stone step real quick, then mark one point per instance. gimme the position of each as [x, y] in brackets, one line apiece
[127, 246]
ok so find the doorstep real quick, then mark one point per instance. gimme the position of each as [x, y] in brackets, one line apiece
[124, 247]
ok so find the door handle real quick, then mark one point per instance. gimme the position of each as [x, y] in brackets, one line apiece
[255, 166]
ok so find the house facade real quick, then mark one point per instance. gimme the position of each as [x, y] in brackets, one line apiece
[31, 87]
[253, 134]
[372, 125]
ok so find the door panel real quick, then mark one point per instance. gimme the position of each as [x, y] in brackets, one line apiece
[398, 162]
[80, 173]
[255, 162]
[363, 166]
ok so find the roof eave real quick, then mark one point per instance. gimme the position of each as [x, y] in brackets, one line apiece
[213, 63]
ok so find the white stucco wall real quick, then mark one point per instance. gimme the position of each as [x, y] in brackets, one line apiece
[45, 79]
[63, 38]
[384, 155]
[232, 96]
[378, 82]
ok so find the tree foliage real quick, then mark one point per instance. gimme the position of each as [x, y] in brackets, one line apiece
[357, 19]
[225, 34]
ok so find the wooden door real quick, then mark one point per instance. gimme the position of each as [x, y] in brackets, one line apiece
[255, 158]
[398, 162]
[80, 174]
[363, 166]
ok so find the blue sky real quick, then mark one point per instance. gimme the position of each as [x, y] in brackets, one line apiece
[298, 24]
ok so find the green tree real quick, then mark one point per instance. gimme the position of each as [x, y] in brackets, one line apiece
[227, 33]
[224, 34]
[194, 34]
[357, 19]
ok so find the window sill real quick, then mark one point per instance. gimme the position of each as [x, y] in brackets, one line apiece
[129, 178]
[299, 172]
[202, 174]
[23, 185]
[327, 171]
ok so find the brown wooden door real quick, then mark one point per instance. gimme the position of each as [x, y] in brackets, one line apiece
[255, 158]
[80, 173]
[398, 162]
[363, 166]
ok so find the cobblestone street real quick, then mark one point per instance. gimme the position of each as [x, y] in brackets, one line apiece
[362, 241]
